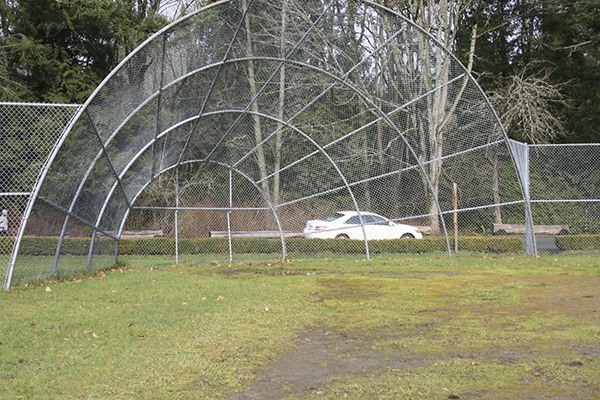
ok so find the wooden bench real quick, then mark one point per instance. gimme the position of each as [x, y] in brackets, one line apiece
[425, 229]
[261, 234]
[136, 234]
[515, 229]
[141, 234]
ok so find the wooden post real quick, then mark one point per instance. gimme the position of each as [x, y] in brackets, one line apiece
[455, 206]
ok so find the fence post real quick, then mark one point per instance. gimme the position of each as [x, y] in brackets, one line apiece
[455, 220]
[177, 215]
[520, 152]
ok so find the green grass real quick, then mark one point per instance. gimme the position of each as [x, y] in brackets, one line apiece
[473, 326]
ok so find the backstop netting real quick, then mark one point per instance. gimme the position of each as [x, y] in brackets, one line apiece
[224, 133]
[28, 134]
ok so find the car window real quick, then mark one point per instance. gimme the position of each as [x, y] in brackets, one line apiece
[354, 220]
[368, 219]
[331, 217]
[377, 220]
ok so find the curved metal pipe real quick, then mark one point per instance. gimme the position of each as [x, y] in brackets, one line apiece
[248, 178]
[149, 145]
[382, 116]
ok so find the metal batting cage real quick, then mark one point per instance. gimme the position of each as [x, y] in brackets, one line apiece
[226, 132]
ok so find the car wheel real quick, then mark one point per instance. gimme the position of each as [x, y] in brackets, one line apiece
[407, 236]
[342, 236]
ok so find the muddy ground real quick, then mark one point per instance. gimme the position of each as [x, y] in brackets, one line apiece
[323, 353]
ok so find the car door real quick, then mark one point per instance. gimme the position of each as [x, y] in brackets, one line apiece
[377, 227]
[352, 227]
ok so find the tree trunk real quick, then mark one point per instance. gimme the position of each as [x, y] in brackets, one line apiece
[439, 17]
[260, 153]
[496, 189]
[280, 106]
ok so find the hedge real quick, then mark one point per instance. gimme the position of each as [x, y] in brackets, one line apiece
[46, 246]
[577, 242]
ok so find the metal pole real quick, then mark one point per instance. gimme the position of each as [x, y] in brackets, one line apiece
[455, 217]
[520, 152]
[229, 216]
[177, 215]
[530, 239]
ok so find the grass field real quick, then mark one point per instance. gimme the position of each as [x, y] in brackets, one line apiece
[470, 327]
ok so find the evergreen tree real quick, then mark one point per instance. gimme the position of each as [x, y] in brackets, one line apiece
[553, 42]
[570, 33]
[60, 51]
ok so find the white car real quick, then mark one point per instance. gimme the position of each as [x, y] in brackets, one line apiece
[347, 224]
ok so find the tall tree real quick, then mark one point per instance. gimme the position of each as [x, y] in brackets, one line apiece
[569, 44]
[551, 42]
[429, 68]
[252, 82]
[60, 51]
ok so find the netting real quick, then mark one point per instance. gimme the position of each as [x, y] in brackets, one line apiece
[225, 133]
[28, 135]
[565, 186]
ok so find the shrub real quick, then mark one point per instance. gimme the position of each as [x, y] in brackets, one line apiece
[578, 242]
[46, 246]
[148, 246]
[510, 244]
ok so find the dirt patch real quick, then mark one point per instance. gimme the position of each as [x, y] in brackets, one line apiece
[566, 294]
[321, 356]
[324, 354]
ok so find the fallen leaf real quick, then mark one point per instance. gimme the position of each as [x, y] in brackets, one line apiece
[48, 289]
[220, 298]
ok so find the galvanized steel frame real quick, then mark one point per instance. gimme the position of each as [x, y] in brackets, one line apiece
[160, 133]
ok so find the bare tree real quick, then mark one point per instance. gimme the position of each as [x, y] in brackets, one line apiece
[526, 105]
[260, 153]
[280, 104]
[178, 8]
[428, 65]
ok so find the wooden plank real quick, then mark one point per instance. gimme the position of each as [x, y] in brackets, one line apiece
[425, 229]
[136, 234]
[518, 229]
[264, 234]
[141, 234]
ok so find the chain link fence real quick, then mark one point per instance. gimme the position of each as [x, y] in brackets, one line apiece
[565, 194]
[28, 134]
[230, 136]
